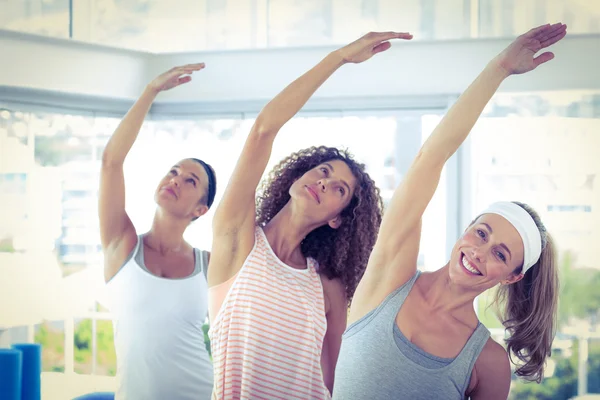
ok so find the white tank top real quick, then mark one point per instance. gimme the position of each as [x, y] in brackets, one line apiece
[159, 339]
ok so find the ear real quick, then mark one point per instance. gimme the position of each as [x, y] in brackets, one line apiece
[335, 223]
[512, 279]
[200, 211]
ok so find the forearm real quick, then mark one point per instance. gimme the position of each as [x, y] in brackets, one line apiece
[126, 133]
[462, 116]
[288, 102]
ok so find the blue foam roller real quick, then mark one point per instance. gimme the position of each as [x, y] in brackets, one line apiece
[97, 396]
[31, 370]
[11, 362]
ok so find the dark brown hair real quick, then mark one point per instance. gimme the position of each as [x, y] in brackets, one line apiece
[211, 186]
[341, 253]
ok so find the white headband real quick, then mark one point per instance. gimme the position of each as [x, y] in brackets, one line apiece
[525, 225]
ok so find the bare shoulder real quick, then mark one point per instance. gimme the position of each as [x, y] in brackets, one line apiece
[494, 357]
[491, 373]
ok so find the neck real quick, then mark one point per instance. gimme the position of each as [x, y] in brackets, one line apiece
[166, 233]
[443, 295]
[286, 231]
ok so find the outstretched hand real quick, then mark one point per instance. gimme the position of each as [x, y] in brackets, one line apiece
[175, 77]
[518, 57]
[369, 45]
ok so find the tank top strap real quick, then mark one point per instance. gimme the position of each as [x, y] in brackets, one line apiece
[384, 313]
[465, 361]
[138, 250]
[399, 296]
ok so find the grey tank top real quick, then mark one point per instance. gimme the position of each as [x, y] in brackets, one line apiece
[374, 363]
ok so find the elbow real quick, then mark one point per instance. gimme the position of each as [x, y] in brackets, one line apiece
[432, 158]
[264, 129]
[109, 159]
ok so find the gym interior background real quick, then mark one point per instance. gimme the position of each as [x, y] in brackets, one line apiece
[70, 69]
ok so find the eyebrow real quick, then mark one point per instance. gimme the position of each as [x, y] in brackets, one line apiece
[489, 228]
[193, 174]
[343, 181]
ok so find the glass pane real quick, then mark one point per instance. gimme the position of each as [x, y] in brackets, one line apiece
[322, 22]
[158, 26]
[106, 358]
[432, 248]
[299, 22]
[82, 343]
[42, 17]
[511, 17]
[51, 336]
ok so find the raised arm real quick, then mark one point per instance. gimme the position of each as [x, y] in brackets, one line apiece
[117, 234]
[393, 260]
[233, 223]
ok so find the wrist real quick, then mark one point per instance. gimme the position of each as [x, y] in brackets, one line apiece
[150, 90]
[497, 68]
[337, 57]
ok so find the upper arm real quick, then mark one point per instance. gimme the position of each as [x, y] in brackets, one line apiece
[234, 219]
[493, 373]
[336, 325]
[117, 233]
[417, 188]
[393, 260]
[402, 219]
[385, 274]
[237, 203]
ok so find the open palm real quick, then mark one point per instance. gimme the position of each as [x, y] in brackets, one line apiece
[519, 56]
[175, 77]
[370, 44]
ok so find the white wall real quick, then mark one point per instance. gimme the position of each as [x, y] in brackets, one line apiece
[36, 62]
[418, 67]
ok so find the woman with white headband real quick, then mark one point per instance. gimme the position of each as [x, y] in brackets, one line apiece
[414, 335]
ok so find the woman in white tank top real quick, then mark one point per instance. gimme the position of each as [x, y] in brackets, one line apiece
[156, 282]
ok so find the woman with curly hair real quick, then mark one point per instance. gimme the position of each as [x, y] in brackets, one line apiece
[416, 335]
[284, 267]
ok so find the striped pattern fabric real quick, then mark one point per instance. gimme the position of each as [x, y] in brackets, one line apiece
[268, 333]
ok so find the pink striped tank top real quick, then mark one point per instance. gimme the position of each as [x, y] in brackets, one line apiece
[267, 334]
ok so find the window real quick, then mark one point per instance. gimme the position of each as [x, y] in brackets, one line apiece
[540, 148]
[507, 18]
[54, 186]
[47, 18]
[570, 208]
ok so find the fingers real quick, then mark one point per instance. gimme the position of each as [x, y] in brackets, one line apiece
[187, 69]
[536, 31]
[554, 36]
[384, 36]
[549, 32]
[195, 67]
[184, 79]
[542, 58]
[546, 32]
[381, 47]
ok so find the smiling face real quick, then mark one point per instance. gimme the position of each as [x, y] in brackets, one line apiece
[324, 191]
[488, 253]
[181, 190]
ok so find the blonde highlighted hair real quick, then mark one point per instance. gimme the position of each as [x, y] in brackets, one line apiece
[528, 309]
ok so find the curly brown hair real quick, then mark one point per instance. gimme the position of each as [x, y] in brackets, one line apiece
[341, 253]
